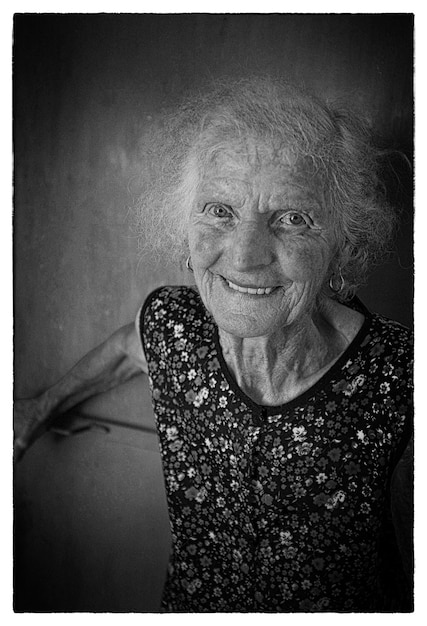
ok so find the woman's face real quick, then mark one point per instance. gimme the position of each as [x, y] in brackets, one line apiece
[260, 242]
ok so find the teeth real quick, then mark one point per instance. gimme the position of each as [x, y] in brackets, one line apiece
[260, 291]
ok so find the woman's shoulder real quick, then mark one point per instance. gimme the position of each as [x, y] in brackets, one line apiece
[390, 332]
[380, 328]
[387, 348]
[174, 296]
[383, 345]
[170, 305]
[173, 321]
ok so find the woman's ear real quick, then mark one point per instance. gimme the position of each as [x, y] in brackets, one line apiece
[343, 256]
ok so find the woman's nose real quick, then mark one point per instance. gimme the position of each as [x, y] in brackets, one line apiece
[250, 247]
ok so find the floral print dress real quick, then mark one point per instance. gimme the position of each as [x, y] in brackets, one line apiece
[278, 509]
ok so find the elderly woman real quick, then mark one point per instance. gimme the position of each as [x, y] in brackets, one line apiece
[282, 404]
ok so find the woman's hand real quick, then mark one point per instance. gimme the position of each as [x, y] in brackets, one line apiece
[30, 421]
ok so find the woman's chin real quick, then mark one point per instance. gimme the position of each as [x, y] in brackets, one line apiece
[241, 324]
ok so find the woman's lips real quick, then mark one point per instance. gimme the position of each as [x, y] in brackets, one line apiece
[252, 290]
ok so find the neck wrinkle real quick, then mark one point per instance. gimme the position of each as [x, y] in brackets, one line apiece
[275, 369]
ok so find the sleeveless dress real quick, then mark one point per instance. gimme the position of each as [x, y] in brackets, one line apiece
[277, 509]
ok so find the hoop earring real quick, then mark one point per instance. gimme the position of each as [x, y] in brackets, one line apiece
[337, 288]
[188, 264]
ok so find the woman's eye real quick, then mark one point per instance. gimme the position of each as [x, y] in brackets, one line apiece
[294, 219]
[219, 210]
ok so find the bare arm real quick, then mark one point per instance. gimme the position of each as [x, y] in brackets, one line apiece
[112, 363]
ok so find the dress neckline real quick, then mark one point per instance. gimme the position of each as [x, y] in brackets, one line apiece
[351, 349]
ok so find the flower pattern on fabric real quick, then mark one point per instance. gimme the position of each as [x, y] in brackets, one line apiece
[273, 508]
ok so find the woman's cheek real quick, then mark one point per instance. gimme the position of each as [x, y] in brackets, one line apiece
[307, 262]
[204, 247]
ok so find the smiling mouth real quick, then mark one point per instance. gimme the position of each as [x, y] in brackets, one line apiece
[254, 291]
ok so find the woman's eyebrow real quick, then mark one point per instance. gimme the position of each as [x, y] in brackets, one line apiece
[234, 190]
[294, 198]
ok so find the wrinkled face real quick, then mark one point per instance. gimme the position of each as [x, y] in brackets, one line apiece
[260, 242]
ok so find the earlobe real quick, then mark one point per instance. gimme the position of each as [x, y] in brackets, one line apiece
[188, 264]
[336, 281]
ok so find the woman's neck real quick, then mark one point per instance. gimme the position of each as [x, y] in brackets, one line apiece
[274, 369]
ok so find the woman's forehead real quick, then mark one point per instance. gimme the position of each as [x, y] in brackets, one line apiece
[242, 168]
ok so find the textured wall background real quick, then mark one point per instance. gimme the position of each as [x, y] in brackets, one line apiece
[90, 514]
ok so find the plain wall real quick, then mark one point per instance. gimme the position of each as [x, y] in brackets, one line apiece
[91, 529]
